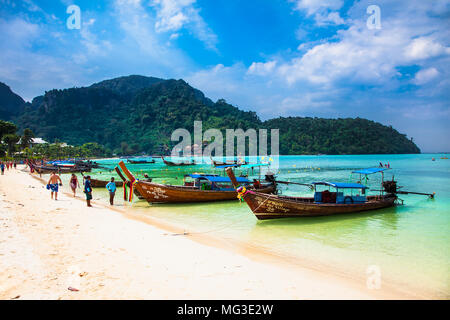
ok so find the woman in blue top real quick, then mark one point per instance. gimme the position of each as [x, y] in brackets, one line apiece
[88, 190]
[111, 186]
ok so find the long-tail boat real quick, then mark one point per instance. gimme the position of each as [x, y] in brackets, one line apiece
[204, 188]
[177, 164]
[270, 206]
[57, 168]
[96, 183]
[216, 163]
[236, 162]
[140, 161]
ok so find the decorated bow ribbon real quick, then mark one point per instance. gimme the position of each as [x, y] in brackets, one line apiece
[241, 192]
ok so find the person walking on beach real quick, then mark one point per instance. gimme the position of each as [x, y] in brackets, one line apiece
[53, 183]
[74, 184]
[111, 186]
[88, 190]
[2, 167]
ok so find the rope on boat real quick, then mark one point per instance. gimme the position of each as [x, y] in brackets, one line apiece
[270, 195]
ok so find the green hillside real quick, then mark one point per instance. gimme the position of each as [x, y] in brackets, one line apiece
[10, 103]
[138, 114]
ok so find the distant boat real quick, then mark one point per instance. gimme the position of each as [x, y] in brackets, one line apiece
[216, 163]
[175, 164]
[140, 161]
[57, 168]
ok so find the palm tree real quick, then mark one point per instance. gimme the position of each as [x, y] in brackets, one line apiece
[11, 141]
[27, 138]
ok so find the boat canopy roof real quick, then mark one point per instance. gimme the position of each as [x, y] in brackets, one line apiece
[62, 163]
[217, 178]
[253, 165]
[228, 166]
[59, 161]
[370, 170]
[340, 185]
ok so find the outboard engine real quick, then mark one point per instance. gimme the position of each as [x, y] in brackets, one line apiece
[270, 177]
[390, 186]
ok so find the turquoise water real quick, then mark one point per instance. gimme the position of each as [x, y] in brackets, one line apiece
[410, 243]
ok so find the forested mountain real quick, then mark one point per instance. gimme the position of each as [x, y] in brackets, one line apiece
[138, 114]
[127, 86]
[10, 103]
[339, 136]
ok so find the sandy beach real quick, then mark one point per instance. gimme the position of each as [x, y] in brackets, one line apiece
[64, 250]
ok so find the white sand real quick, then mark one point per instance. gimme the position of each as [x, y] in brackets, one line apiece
[48, 246]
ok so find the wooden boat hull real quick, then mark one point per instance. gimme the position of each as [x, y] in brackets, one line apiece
[160, 193]
[137, 194]
[102, 184]
[44, 170]
[140, 162]
[273, 207]
[173, 164]
[220, 163]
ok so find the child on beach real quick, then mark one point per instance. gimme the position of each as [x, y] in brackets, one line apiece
[53, 184]
[88, 190]
[74, 184]
[111, 186]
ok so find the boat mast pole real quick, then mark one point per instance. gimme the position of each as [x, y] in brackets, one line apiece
[232, 177]
[382, 180]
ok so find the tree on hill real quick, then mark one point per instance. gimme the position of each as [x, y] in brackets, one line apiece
[11, 142]
[27, 138]
[7, 127]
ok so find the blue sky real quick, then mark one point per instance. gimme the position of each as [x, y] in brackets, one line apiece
[276, 57]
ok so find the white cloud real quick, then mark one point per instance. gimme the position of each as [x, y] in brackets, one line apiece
[173, 15]
[425, 75]
[218, 80]
[313, 6]
[333, 18]
[323, 10]
[357, 55]
[138, 26]
[93, 45]
[424, 48]
[174, 36]
[262, 69]
[26, 71]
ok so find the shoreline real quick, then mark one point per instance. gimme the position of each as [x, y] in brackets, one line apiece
[246, 271]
